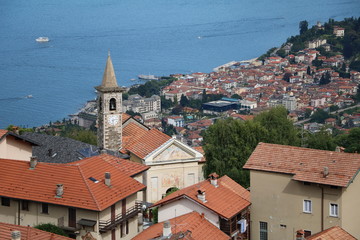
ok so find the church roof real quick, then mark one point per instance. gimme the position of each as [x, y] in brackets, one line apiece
[109, 83]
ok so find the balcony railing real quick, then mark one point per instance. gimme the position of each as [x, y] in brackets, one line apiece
[108, 225]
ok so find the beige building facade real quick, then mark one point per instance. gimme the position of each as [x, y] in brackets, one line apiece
[297, 188]
[13, 146]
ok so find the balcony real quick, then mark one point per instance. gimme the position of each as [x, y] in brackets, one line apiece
[108, 225]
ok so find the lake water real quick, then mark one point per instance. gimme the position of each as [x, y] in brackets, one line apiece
[157, 37]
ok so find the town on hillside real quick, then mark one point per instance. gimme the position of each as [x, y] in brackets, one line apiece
[149, 174]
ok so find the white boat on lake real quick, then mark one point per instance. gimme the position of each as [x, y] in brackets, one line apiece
[42, 39]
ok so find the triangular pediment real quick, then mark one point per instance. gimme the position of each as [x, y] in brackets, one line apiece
[173, 152]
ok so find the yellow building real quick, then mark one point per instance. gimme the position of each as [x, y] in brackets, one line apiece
[296, 188]
[95, 197]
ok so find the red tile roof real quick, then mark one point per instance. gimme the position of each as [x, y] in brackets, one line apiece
[200, 228]
[28, 233]
[3, 132]
[143, 143]
[227, 200]
[39, 184]
[305, 164]
[333, 233]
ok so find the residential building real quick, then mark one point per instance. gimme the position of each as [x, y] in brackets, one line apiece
[140, 104]
[14, 146]
[289, 102]
[245, 104]
[296, 188]
[188, 226]
[95, 196]
[339, 31]
[223, 202]
[176, 121]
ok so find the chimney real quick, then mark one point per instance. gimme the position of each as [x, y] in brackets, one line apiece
[107, 179]
[33, 162]
[325, 172]
[15, 235]
[167, 229]
[201, 195]
[59, 190]
[300, 235]
[214, 179]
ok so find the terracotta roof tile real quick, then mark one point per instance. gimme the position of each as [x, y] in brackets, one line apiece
[305, 164]
[227, 200]
[200, 228]
[28, 233]
[143, 144]
[39, 184]
[3, 132]
[333, 233]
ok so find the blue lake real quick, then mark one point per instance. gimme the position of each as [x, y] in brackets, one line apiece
[157, 37]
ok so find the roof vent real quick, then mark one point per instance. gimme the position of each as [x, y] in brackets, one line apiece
[15, 235]
[107, 179]
[33, 162]
[167, 229]
[326, 171]
[59, 190]
[201, 195]
[214, 179]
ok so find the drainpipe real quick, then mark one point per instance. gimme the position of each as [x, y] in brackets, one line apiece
[322, 208]
[19, 211]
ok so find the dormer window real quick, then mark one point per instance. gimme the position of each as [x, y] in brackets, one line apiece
[112, 104]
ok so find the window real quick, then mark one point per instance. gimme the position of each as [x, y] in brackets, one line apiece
[334, 210]
[263, 231]
[127, 227]
[112, 104]
[25, 205]
[307, 208]
[5, 201]
[45, 208]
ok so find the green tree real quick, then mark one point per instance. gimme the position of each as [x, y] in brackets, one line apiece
[350, 141]
[166, 103]
[229, 143]
[325, 78]
[319, 116]
[321, 140]
[184, 101]
[49, 227]
[303, 26]
[280, 129]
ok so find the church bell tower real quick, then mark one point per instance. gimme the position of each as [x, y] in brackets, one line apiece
[109, 105]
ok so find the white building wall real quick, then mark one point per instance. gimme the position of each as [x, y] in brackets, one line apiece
[184, 206]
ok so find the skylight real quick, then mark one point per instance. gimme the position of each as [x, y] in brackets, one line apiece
[93, 179]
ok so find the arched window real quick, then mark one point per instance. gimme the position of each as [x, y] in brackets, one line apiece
[112, 104]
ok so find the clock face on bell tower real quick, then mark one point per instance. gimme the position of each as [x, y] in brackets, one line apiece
[109, 107]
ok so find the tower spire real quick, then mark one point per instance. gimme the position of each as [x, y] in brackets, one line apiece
[109, 83]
